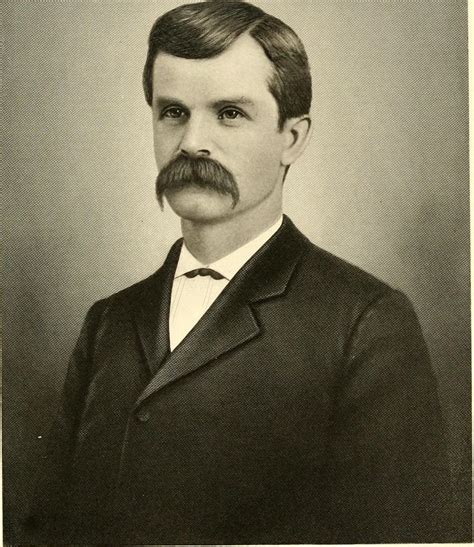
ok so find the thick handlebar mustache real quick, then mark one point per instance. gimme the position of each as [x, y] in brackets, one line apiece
[199, 171]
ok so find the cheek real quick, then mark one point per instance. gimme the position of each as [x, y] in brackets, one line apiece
[164, 145]
[260, 163]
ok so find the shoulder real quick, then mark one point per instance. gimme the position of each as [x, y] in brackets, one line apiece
[325, 273]
[124, 298]
[143, 292]
[328, 286]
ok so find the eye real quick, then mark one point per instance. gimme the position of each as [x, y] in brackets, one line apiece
[173, 113]
[230, 114]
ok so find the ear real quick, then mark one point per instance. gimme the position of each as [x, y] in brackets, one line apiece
[297, 132]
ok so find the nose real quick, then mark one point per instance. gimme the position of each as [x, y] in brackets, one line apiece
[194, 141]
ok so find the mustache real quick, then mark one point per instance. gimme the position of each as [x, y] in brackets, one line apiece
[200, 171]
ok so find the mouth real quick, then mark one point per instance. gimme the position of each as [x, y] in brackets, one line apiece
[194, 189]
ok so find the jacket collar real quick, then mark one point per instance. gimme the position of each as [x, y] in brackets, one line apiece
[229, 322]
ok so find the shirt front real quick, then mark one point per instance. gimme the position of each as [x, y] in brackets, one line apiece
[192, 297]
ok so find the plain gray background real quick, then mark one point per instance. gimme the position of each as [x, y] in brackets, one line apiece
[384, 184]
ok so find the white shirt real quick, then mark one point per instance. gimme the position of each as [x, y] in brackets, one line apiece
[192, 297]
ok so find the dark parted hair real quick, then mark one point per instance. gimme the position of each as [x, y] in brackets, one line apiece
[205, 29]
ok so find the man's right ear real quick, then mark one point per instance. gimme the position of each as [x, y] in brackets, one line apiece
[298, 132]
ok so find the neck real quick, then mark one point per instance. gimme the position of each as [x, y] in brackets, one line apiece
[209, 242]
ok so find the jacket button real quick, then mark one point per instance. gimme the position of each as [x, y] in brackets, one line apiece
[143, 416]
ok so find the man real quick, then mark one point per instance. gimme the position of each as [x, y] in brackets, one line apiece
[255, 389]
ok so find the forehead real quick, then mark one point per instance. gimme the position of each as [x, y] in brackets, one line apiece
[242, 69]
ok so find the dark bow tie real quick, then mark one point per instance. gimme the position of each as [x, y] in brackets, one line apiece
[204, 272]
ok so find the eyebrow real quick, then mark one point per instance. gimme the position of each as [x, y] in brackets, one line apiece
[164, 101]
[238, 101]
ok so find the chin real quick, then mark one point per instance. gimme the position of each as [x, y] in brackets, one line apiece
[200, 205]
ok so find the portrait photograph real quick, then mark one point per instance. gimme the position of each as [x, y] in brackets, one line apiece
[237, 272]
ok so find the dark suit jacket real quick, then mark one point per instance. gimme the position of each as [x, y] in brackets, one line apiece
[301, 409]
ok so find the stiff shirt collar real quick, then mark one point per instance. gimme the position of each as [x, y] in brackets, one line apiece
[230, 264]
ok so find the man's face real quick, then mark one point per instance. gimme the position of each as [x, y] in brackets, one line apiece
[220, 109]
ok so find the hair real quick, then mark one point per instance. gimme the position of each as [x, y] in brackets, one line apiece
[206, 29]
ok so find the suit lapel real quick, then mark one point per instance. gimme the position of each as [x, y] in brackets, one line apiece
[230, 321]
[151, 311]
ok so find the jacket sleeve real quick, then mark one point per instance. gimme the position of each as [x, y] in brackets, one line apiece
[47, 518]
[389, 477]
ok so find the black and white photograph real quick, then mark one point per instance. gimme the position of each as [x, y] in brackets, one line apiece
[237, 272]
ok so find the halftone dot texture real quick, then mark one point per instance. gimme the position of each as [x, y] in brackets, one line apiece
[384, 182]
